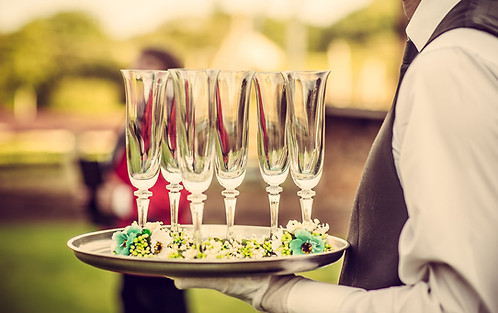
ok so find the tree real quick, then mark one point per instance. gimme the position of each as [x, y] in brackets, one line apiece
[45, 50]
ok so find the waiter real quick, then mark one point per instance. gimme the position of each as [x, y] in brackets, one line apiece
[424, 227]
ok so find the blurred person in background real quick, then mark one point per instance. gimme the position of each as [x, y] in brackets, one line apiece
[115, 200]
[423, 231]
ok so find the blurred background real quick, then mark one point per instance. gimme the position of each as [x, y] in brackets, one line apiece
[62, 106]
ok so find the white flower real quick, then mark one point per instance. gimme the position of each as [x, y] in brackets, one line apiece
[309, 226]
[278, 252]
[134, 224]
[168, 252]
[162, 236]
[153, 226]
[159, 240]
[276, 242]
[190, 253]
[258, 253]
[322, 229]
[214, 250]
[293, 225]
[278, 234]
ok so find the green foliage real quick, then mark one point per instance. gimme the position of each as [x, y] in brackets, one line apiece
[189, 36]
[377, 20]
[274, 30]
[42, 53]
[72, 95]
[46, 49]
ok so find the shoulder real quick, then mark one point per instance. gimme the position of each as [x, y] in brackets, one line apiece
[456, 52]
[458, 60]
[470, 40]
[456, 75]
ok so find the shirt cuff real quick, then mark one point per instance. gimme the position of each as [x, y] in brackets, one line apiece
[308, 296]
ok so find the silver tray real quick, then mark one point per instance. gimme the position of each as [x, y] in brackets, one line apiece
[95, 249]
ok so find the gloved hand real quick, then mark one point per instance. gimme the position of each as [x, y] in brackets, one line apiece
[267, 293]
[277, 294]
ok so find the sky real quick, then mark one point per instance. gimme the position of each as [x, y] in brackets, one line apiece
[126, 18]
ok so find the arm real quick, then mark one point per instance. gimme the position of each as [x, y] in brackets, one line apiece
[446, 144]
[447, 166]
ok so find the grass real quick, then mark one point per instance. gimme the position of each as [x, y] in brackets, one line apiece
[38, 273]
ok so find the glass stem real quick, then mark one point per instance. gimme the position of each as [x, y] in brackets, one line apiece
[274, 197]
[142, 205]
[174, 202]
[197, 210]
[230, 202]
[306, 200]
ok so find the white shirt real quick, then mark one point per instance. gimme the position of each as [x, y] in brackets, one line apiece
[445, 145]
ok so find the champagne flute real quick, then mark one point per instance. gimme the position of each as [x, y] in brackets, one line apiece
[272, 141]
[169, 159]
[306, 99]
[194, 95]
[143, 132]
[232, 107]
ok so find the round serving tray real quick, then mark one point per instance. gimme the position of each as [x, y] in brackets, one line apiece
[95, 249]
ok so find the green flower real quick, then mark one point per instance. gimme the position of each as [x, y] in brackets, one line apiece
[286, 237]
[245, 251]
[124, 239]
[178, 238]
[306, 243]
[267, 247]
[141, 244]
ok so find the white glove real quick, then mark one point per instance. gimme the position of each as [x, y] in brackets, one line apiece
[276, 294]
[262, 292]
[309, 296]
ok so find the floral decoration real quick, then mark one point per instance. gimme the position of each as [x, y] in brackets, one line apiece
[306, 243]
[123, 240]
[154, 240]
